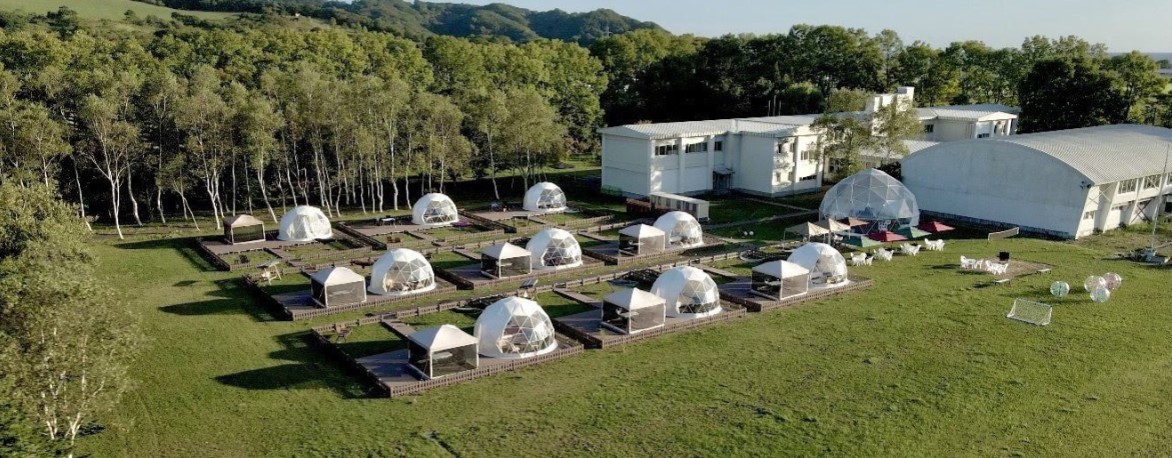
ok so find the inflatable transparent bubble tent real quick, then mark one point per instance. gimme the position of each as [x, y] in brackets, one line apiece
[401, 271]
[545, 196]
[872, 196]
[1059, 289]
[434, 209]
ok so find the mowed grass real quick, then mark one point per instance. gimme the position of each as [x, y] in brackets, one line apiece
[103, 9]
[923, 364]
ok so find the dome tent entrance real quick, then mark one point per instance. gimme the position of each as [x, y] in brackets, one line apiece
[434, 209]
[514, 328]
[400, 272]
[505, 260]
[826, 264]
[633, 310]
[337, 286]
[305, 224]
[243, 229]
[641, 239]
[682, 230]
[688, 292]
[874, 197]
[554, 248]
[442, 350]
[545, 197]
[777, 279]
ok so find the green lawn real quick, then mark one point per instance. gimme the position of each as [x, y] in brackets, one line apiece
[103, 9]
[923, 364]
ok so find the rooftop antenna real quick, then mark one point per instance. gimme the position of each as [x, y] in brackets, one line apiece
[1160, 203]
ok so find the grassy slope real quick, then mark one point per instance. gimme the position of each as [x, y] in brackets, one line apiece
[923, 364]
[101, 9]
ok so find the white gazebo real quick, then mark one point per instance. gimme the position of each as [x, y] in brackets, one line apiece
[305, 224]
[826, 265]
[435, 210]
[778, 279]
[688, 292]
[682, 229]
[243, 229]
[337, 286]
[505, 260]
[401, 272]
[642, 239]
[554, 248]
[514, 328]
[442, 350]
[632, 310]
[545, 197]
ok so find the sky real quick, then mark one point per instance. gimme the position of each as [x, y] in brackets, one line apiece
[1123, 25]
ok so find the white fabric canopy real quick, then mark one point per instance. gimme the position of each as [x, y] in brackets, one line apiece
[305, 224]
[401, 271]
[808, 230]
[641, 231]
[434, 209]
[554, 248]
[505, 251]
[514, 328]
[337, 276]
[688, 292]
[242, 220]
[545, 197]
[782, 269]
[819, 258]
[633, 299]
[440, 338]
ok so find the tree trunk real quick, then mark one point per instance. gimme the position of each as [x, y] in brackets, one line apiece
[114, 201]
[130, 192]
[159, 203]
[81, 198]
[264, 194]
[492, 169]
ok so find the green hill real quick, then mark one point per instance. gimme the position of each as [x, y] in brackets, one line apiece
[102, 9]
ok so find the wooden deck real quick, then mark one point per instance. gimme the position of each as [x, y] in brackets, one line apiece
[587, 327]
[739, 292]
[578, 297]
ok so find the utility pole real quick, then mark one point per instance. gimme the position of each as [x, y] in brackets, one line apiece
[1160, 202]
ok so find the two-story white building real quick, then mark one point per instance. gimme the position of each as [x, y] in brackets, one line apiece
[770, 156]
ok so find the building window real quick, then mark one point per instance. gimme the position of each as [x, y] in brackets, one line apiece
[718, 146]
[1127, 186]
[1118, 207]
[778, 177]
[805, 156]
[929, 128]
[701, 147]
[808, 178]
[982, 135]
[665, 150]
[1152, 181]
[1089, 215]
[787, 146]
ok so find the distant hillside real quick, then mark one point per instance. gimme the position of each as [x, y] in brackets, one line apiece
[99, 9]
[423, 18]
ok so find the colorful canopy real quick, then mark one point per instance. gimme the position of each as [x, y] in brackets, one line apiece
[854, 222]
[807, 230]
[859, 241]
[832, 225]
[935, 226]
[912, 233]
[885, 236]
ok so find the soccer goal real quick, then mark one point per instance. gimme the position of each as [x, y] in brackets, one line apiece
[1030, 312]
[1004, 234]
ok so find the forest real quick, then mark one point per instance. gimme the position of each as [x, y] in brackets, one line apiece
[168, 118]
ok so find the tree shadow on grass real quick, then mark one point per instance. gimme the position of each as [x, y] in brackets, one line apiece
[184, 246]
[231, 298]
[307, 368]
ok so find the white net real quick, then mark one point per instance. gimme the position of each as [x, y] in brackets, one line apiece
[1030, 312]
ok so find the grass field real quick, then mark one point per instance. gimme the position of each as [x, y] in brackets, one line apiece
[102, 9]
[925, 363]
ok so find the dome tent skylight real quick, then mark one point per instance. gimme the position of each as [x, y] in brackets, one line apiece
[434, 209]
[305, 224]
[401, 271]
[872, 196]
[514, 328]
[683, 231]
[689, 292]
[545, 197]
[554, 248]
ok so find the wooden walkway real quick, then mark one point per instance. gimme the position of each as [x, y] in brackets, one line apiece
[421, 236]
[596, 237]
[718, 272]
[578, 297]
[399, 328]
[466, 253]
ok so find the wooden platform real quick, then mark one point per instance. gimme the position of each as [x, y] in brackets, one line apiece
[587, 327]
[739, 292]
[578, 297]
[298, 305]
[472, 273]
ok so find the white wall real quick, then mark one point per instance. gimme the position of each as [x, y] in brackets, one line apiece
[997, 181]
[948, 130]
[625, 164]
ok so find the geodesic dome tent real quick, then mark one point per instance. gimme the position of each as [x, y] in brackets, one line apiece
[641, 239]
[633, 310]
[777, 279]
[554, 248]
[434, 209]
[442, 350]
[304, 223]
[505, 260]
[400, 272]
[872, 196]
[337, 286]
[545, 197]
[243, 229]
[682, 230]
[514, 328]
[688, 292]
[826, 264]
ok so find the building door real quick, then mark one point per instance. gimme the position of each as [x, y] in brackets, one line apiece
[721, 182]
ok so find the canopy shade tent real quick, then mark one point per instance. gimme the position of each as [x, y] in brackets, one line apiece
[854, 222]
[935, 226]
[514, 328]
[434, 209]
[505, 260]
[682, 229]
[554, 248]
[632, 310]
[688, 292]
[885, 236]
[859, 241]
[442, 350]
[337, 286]
[832, 226]
[243, 229]
[642, 239]
[912, 232]
[400, 272]
[777, 279]
[871, 196]
[807, 230]
[305, 224]
[544, 197]
[826, 264]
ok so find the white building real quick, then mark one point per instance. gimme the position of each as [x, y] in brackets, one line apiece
[769, 156]
[1067, 183]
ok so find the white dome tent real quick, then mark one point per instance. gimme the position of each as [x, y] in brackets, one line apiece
[554, 248]
[826, 264]
[683, 231]
[514, 328]
[688, 291]
[304, 223]
[545, 197]
[872, 196]
[400, 272]
[434, 209]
